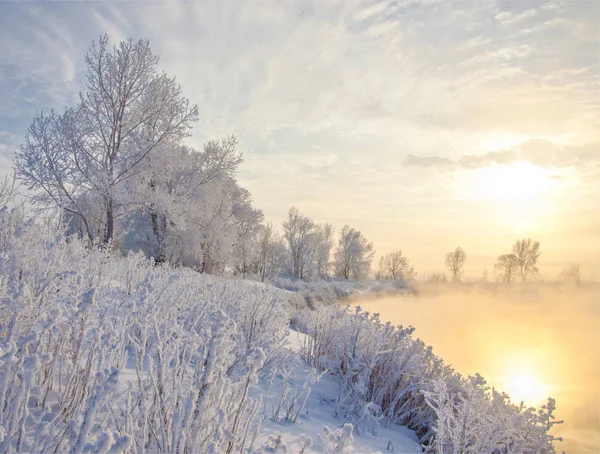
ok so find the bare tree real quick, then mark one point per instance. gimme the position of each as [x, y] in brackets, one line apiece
[354, 255]
[455, 262]
[506, 267]
[527, 253]
[395, 266]
[298, 230]
[128, 112]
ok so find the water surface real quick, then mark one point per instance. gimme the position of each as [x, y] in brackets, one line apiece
[510, 335]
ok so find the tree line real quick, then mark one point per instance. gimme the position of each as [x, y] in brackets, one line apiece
[114, 169]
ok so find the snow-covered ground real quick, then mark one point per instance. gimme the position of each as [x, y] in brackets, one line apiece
[318, 413]
[330, 291]
[105, 353]
[306, 434]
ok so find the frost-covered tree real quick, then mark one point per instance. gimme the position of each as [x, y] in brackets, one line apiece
[455, 262]
[188, 209]
[298, 232]
[354, 254]
[265, 241]
[527, 253]
[128, 112]
[248, 220]
[395, 266]
[272, 254]
[506, 268]
[175, 182]
[323, 243]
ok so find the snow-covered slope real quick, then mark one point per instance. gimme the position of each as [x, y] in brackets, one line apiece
[317, 414]
[104, 353]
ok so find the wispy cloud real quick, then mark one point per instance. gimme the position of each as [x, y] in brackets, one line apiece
[325, 96]
[538, 152]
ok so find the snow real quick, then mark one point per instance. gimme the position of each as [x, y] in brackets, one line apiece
[102, 352]
[319, 412]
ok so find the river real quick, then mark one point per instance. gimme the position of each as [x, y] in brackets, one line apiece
[531, 341]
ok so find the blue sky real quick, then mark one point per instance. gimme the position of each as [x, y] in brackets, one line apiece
[384, 115]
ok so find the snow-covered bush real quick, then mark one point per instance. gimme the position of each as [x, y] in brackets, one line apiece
[293, 396]
[337, 441]
[386, 376]
[475, 418]
[103, 353]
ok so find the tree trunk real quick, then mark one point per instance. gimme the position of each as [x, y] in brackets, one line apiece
[110, 221]
[159, 225]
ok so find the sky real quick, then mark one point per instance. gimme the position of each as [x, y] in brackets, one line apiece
[425, 124]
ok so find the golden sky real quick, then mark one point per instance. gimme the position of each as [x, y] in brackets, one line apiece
[425, 124]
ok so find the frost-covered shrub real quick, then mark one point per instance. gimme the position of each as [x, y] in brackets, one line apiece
[293, 397]
[103, 353]
[337, 441]
[475, 418]
[386, 376]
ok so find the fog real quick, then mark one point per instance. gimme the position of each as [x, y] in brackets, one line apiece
[547, 333]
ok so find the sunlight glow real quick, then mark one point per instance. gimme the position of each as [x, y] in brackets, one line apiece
[515, 183]
[523, 378]
[524, 387]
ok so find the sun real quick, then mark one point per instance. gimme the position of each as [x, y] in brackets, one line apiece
[524, 387]
[519, 182]
[524, 378]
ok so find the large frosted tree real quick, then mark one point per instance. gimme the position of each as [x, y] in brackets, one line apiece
[82, 157]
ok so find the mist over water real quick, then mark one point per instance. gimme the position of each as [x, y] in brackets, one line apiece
[550, 333]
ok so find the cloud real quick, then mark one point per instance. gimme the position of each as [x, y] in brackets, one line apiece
[510, 18]
[538, 152]
[428, 161]
[329, 96]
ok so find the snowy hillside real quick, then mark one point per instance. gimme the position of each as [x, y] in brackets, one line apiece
[105, 353]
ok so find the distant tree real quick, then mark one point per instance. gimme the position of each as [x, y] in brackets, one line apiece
[571, 274]
[527, 253]
[395, 266]
[298, 232]
[128, 112]
[265, 249]
[353, 257]
[323, 243]
[248, 224]
[506, 267]
[455, 262]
